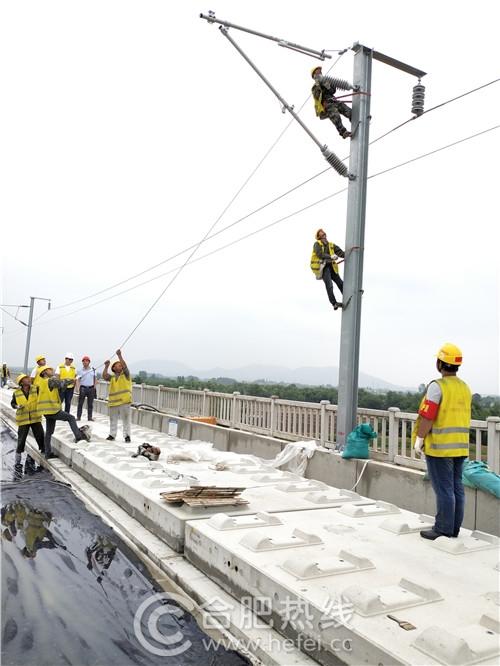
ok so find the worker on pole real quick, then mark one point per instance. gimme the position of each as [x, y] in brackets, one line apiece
[325, 267]
[326, 104]
[442, 433]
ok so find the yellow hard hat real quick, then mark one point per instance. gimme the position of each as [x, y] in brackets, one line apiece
[20, 377]
[39, 357]
[314, 69]
[45, 367]
[113, 365]
[450, 353]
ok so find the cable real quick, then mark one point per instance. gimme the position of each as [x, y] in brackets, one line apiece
[272, 201]
[279, 220]
[13, 316]
[432, 152]
[433, 108]
[241, 219]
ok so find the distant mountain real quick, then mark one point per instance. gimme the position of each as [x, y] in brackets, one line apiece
[250, 373]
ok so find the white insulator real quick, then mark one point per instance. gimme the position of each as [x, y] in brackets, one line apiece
[338, 83]
[335, 162]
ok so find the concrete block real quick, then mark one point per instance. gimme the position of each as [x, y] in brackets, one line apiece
[487, 513]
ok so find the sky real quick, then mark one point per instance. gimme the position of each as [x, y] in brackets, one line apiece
[129, 127]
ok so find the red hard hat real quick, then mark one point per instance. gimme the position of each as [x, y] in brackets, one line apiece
[85, 358]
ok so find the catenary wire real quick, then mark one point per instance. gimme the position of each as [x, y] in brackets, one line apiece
[195, 249]
[281, 219]
[257, 210]
[269, 203]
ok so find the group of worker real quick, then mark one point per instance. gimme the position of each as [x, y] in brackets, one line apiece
[48, 392]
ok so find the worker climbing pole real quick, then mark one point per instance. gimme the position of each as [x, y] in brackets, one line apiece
[326, 104]
[329, 105]
[332, 159]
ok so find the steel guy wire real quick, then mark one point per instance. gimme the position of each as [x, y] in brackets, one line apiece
[272, 201]
[279, 220]
[257, 210]
[196, 248]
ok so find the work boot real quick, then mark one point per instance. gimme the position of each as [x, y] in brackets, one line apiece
[110, 438]
[346, 135]
[49, 456]
[18, 471]
[127, 439]
[430, 534]
[29, 466]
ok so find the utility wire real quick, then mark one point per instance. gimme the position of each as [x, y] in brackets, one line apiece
[193, 252]
[282, 219]
[272, 201]
[241, 219]
[13, 316]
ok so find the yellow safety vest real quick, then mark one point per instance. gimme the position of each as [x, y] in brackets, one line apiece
[28, 411]
[318, 101]
[120, 390]
[49, 400]
[316, 261]
[36, 378]
[67, 372]
[449, 436]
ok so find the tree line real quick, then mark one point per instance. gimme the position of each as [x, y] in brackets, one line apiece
[407, 401]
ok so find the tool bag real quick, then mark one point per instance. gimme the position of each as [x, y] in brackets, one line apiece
[358, 442]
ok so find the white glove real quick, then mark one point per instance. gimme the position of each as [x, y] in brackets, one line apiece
[419, 446]
[335, 257]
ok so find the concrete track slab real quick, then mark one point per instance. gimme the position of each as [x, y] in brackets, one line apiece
[345, 576]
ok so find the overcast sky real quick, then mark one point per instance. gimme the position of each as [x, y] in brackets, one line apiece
[129, 126]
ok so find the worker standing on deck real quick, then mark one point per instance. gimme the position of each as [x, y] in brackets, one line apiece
[442, 433]
[120, 396]
[25, 402]
[86, 387]
[326, 104]
[324, 265]
[49, 404]
[40, 363]
[67, 370]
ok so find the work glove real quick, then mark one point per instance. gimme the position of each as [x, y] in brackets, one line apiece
[419, 446]
[335, 257]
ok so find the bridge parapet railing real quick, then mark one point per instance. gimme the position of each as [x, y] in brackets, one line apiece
[294, 421]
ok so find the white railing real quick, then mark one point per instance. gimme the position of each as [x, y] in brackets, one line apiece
[293, 420]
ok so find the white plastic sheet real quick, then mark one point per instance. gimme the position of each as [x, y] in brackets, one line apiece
[295, 456]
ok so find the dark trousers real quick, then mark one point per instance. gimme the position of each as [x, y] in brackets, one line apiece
[329, 277]
[50, 426]
[66, 397]
[445, 475]
[334, 110]
[23, 432]
[85, 392]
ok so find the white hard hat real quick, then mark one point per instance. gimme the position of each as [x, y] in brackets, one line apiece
[69, 355]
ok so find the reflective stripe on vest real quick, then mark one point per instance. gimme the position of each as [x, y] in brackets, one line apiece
[316, 261]
[449, 436]
[28, 412]
[49, 400]
[67, 372]
[120, 391]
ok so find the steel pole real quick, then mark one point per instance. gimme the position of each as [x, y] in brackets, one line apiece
[28, 335]
[354, 247]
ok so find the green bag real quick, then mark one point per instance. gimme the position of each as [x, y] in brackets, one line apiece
[358, 442]
[476, 474]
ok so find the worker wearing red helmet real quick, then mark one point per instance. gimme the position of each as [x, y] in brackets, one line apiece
[86, 388]
[442, 433]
